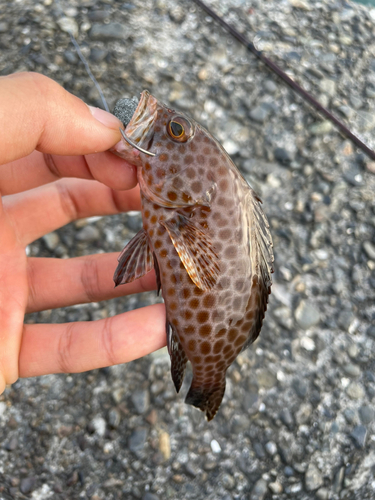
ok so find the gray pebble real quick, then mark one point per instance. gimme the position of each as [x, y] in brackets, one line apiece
[98, 425]
[345, 319]
[259, 491]
[4, 27]
[351, 370]
[286, 417]
[70, 57]
[369, 248]
[150, 496]
[98, 55]
[51, 240]
[359, 434]
[306, 315]
[355, 391]
[141, 401]
[284, 155]
[138, 440]
[12, 444]
[366, 414]
[270, 86]
[98, 15]
[27, 485]
[260, 114]
[111, 31]
[271, 448]
[88, 234]
[114, 418]
[313, 478]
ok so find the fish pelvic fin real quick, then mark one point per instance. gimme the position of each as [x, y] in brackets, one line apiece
[135, 260]
[206, 398]
[195, 249]
[177, 355]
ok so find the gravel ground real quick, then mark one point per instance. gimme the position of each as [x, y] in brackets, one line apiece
[298, 417]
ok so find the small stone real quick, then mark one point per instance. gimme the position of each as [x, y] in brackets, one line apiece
[259, 491]
[228, 481]
[355, 101]
[114, 418]
[321, 128]
[270, 86]
[51, 240]
[138, 440]
[286, 417]
[98, 55]
[271, 448]
[98, 15]
[366, 120]
[306, 315]
[349, 415]
[111, 31]
[88, 234]
[70, 57]
[345, 319]
[266, 378]
[355, 391]
[259, 114]
[141, 401]
[165, 445]
[366, 414]
[215, 447]
[359, 434]
[68, 25]
[338, 479]
[322, 494]
[150, 496]
[27, 485]
[369, 248]
[12, 444]
[328, 87]
[284, 155]
[190, 469]
[4, 27]
[276, 488]
[300, 386]
[370, 166]
[98, 425]
[313, 478]
[351, 370]
[230, 147]
[371, 331]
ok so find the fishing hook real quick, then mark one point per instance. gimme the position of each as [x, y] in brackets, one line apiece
[135, 145]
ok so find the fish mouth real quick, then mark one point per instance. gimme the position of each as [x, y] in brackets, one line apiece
[138, 129]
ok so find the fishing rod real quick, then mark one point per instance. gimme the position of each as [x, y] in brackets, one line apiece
[289, 81]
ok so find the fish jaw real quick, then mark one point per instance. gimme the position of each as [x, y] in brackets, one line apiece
[138, 129]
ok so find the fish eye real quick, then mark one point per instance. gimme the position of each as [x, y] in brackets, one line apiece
[180, 129]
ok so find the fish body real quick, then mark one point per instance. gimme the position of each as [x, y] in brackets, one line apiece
[208, 239]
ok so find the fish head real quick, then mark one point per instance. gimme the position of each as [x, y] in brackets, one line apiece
[185, 162]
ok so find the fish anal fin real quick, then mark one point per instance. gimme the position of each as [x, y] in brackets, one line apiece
[207, 399]
[135, 260]
[177, 355]
[195, 249]
[157, 273]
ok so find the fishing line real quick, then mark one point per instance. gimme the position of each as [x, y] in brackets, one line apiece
[289, 81]
[85, 63]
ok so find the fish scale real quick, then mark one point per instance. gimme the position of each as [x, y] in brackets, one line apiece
[205, 230]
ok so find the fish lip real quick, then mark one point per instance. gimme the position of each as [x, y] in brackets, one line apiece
[138, 129]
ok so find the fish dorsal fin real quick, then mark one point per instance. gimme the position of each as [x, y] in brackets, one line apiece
[135, 260]
[260, 240]
[195, 249]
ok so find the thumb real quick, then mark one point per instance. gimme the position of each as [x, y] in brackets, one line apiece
[37, 113]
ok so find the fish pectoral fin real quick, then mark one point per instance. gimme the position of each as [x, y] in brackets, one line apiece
[135, 260]
[195, 249]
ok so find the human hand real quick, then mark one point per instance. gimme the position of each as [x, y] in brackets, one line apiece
[43, 189]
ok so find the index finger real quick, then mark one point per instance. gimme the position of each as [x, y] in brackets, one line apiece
[39, 114]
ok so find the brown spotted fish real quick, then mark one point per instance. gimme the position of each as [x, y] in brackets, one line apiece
[208, 239]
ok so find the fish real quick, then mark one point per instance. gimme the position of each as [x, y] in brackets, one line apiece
[208, 239]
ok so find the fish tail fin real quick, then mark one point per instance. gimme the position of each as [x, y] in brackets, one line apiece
[206, 398]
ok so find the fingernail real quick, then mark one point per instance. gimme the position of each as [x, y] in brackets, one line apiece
[105, 118]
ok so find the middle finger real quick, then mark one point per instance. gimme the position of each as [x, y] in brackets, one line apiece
[41, 210]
